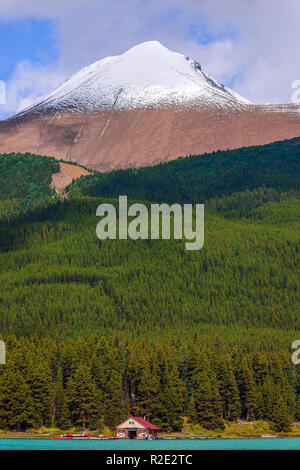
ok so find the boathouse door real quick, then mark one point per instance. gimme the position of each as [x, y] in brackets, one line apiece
[132, 433]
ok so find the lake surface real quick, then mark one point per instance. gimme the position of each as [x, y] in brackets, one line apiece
[172, 444]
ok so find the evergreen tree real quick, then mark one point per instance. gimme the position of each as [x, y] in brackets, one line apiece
[229, 392]
[207, 409]
[115, 409]
[169, 409]
[260, 367]
[62, 412]
[247, 390]
[147, 390]
[297, 410]
[16, 403]
[40, 382]
[84, 400]
[280, 416]
[265, 399]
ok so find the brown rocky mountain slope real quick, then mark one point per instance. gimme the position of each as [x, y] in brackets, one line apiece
[107, 140]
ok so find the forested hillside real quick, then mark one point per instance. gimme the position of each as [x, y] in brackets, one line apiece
[201, 177]
[146, 326]
[18, 172]
[25, 184]
[57, 277]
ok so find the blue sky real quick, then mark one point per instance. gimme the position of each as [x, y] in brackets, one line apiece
[250, 45]
[26, 39]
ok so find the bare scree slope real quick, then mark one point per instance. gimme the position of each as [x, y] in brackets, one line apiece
[145, 106]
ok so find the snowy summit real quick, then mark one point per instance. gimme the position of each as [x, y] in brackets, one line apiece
[147, 75]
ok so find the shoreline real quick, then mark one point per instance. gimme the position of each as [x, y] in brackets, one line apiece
[233, 430]
[202, 438]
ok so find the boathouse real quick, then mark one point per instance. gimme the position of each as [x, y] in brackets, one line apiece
[136, 428]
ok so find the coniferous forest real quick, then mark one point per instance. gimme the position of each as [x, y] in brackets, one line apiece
[95, 330]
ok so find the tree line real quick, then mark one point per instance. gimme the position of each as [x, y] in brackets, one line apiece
[91, 382]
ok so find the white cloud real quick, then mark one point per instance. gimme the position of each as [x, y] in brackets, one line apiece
[255, 48]
[28, 83]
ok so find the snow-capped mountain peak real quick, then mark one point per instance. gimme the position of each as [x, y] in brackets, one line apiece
[147, 75]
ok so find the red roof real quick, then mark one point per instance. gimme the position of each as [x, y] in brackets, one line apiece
[145, 423]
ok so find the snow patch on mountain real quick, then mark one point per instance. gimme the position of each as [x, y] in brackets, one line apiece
[147, 75]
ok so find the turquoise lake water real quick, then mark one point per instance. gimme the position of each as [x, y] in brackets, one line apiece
[172, 444]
